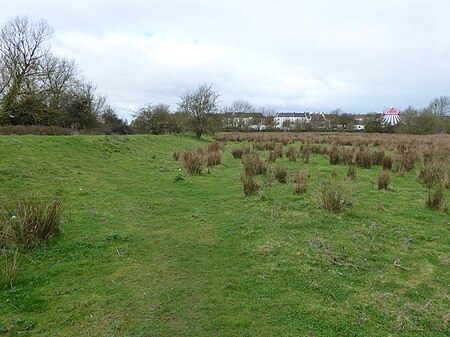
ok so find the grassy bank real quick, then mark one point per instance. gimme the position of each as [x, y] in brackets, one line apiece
[149, 250]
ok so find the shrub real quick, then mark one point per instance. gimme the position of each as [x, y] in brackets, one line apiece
[193, 161]
[281, 174]
[384, 178]
[436, 199]
[31, 222]
[351, 171]
[237, 152]
[334, 197]
[249, 184]
[299, 181]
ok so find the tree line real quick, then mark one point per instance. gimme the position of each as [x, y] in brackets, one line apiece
[40, 88]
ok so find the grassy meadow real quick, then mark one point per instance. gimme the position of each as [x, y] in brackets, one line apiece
[147, 249]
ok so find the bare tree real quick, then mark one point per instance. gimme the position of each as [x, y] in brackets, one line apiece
[199, 105]
[440, 105]
[22, 49]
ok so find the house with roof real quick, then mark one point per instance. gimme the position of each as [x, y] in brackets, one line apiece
[286, 120]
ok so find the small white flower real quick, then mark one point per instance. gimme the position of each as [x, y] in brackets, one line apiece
[179, 169]
[13, 217]
[80, 189]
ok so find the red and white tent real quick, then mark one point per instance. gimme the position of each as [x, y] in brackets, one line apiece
[391, 116]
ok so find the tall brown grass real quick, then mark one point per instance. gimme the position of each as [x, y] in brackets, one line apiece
[193, 161]
[299, 181]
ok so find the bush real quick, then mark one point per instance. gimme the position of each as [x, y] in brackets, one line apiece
[384, 178]
[281, 174]
[193, 161]
[249, 184]
[334, 197]
[436, 199]
[299, 181]
[30, 222]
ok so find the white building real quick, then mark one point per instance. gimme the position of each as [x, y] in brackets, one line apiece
[285, 120]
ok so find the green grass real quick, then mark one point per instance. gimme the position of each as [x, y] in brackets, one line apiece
[144, 253]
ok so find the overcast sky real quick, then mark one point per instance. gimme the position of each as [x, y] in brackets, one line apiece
[290, 55]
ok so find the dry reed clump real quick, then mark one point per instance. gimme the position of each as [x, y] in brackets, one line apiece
[299, 181]
[291, 153]
[237, 152]
[271, 157]
[335, 197]
[406, 161]
[213, 158]
[29, 222]
[249, 184]
[351, 171]
[384, 177]
[253, 164]
[193, 161]
[436, 198]
[281, 174]
[335, 155]
[364, 158]
[176, 155]
[215, 146]
[386, 162]
[8, 267]
[278, 150]
[378, 157]
[433, 172]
